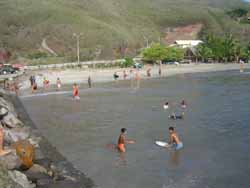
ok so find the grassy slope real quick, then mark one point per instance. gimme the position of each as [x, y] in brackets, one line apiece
[105, 23]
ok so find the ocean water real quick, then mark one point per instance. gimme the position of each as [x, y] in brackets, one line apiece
[215, 131]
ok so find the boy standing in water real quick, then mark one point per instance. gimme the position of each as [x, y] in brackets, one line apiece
[122, 141]
[58, 84]
[174, 139]
[76, 92]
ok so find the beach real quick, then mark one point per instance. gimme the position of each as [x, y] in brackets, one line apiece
[79, 76]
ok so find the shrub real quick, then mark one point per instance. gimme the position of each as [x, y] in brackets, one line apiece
[37, 55]
[127, 63]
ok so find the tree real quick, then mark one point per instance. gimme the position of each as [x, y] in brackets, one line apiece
[159, 52]
[246, 53]
[237, 13]
[174, 54]
[223, 48]
[228, 47]
[156, 52]
[215, 44]
[204, 52]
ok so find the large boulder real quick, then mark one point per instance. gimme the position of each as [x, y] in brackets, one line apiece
[16, 134]
[21, 179]
[62, 184]
[26, 152]
[35, 140]
[11, 161]
[5, 180]
[11, 121]
[45, 162]
[3, 112]
[37, 172]
[7, 104]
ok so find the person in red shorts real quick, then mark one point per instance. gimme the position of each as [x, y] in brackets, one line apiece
[76, 92]
[122, 141]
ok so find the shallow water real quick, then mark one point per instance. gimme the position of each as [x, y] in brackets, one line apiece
[215, 131]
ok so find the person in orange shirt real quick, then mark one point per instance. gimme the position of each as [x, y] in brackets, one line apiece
[76, 92]
[122, 141]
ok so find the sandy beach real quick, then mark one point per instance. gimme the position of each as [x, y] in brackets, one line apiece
[70, 76]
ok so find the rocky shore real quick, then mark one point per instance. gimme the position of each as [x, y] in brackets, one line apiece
[32, 162]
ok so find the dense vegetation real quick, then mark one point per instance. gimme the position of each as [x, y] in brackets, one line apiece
[214, 48]
[158, 52]
[113, 28]
[223, 49]
[241, 15]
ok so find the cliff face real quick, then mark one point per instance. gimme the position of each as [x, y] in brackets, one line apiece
[106, 25]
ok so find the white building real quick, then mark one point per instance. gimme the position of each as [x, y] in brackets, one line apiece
[187, 43]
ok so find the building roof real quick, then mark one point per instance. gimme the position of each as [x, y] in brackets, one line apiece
[188, 43]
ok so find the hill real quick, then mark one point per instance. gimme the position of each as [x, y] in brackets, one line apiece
[109, 25]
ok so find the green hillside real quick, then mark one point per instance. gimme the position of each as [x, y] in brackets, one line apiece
[105, 24]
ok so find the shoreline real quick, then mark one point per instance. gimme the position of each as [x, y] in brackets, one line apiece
[80, 76]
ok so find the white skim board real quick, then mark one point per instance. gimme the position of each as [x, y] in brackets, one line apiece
[162, 144]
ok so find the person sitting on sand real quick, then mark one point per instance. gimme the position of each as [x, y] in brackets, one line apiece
[58, 84]
[183, 104]
[76, 92]
[122, 141]
[166, 106]
[116, 76]
[175, 117]
[174, 140]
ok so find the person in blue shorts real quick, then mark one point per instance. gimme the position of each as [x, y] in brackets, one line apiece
[174, 139]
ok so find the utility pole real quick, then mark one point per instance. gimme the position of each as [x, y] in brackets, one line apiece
[146, 39]
[77, 36]
[159, 39]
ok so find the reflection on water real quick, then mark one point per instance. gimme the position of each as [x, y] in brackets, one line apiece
[215, 131]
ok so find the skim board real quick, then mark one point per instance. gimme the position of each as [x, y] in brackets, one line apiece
[161, 144]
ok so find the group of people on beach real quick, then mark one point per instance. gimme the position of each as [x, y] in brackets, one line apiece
[174, 140]
[132, 74]
[46, 82]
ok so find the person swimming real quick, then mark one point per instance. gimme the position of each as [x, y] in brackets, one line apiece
[174, 140]
[76, 92]
[166, 106]
[122, 141]
[175, 117]
[183, 104]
